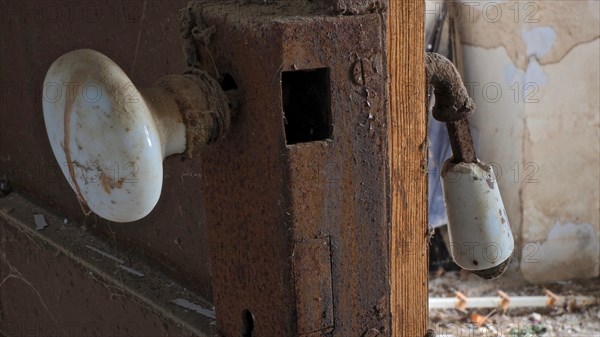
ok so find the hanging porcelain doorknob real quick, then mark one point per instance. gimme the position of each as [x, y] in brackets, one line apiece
[110, 138]
[481, 239]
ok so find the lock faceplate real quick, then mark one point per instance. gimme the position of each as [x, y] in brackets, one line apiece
[271, 200]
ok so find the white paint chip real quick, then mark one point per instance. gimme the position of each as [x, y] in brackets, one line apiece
[40, 222]
[195, 307]
[131, 270]
[112, 257]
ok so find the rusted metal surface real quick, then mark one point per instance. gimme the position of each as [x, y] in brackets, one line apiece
[452, 105]
[461, 141]
[313, 283]
[338, 186]
[202, 105]
[267, 198]
[60, 281]
[352, 7]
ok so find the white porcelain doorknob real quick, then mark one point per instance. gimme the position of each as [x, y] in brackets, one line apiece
[110, 138]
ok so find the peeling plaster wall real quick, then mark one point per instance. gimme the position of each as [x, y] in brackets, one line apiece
[533, 69]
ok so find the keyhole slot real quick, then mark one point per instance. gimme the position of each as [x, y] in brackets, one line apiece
[248, 321]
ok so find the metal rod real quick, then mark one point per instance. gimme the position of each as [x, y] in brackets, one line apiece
[452, 105]
[462, 302]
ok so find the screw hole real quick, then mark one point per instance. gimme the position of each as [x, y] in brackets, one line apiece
[248, 321]
[227, 82]
[230, 88]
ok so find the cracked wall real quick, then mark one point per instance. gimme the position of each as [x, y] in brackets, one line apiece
[533, 71]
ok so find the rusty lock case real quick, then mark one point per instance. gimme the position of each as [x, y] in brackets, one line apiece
[296, 196]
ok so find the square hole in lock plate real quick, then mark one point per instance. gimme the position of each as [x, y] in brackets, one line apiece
[306, 105]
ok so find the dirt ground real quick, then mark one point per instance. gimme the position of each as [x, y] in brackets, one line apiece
[564, 320]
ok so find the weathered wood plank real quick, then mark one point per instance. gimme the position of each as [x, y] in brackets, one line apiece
[407, 154]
